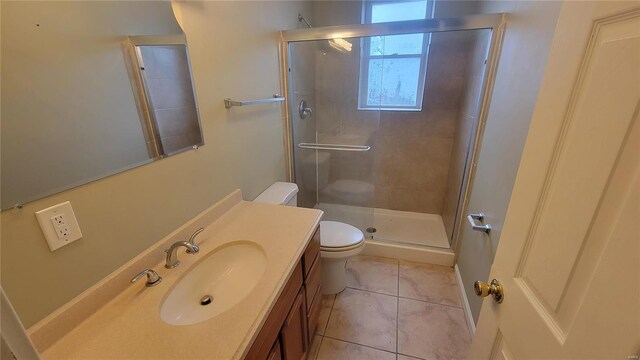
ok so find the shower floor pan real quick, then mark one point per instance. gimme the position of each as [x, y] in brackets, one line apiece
[399, 234]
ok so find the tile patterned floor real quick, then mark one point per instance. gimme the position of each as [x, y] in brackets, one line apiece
[395, 310]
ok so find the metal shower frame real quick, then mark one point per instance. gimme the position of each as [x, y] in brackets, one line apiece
[494, 22]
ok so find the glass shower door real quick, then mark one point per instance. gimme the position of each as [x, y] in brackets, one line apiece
[333, 140]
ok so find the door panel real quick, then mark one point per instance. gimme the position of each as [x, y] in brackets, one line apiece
[569, 257]
[588, 152]
[501, 350]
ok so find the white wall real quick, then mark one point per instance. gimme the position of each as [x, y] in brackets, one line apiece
[530, 29]
[234, 53]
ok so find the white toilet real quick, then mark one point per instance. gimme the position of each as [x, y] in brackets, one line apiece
[338, 241]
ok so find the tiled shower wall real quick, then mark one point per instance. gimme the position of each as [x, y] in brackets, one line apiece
[414, 148]
[410, 157]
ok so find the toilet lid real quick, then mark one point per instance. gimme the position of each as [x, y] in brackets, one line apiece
[335, 234]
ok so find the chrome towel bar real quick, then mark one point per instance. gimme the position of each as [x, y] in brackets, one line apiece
[339, 147]
[228, 102]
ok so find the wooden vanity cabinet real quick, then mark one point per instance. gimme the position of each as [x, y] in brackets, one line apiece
[291, 324]
[276, 352]
[293, 334]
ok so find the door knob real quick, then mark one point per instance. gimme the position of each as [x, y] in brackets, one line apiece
[483, 289]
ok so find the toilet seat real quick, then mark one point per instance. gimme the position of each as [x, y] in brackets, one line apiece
[336, 237]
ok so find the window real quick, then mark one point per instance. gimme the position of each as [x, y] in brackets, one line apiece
[392, 68]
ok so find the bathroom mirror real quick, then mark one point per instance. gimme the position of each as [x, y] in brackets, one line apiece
[90, 89]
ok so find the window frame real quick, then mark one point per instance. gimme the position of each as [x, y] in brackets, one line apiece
[365, 57]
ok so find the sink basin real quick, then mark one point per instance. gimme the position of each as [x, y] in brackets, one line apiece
[219, 281]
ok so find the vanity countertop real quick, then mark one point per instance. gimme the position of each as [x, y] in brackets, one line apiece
[129, 326]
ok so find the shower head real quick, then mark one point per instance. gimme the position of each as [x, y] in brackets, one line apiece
[302, 19]
[339, 44]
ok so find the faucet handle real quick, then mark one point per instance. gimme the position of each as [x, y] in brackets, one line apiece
[192, 242]
[153, 278]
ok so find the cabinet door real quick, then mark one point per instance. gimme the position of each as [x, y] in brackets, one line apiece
[294, 331]
[313, 316]
[276, 352]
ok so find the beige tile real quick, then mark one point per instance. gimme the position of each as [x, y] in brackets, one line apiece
[431, 331]
[443, 93]
[332, 349]
[405, 357]
[373, 273]
[427, 176]
[428, 282]
[314, 349]
[325, 311]
[402, 199]
[383, 196]
[439, 123]
[434, 151]
[365, 318]
[449, 59]
[430, 202]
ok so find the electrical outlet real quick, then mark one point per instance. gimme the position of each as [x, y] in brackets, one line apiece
[62, 231]
[58, 220]
[59, 225]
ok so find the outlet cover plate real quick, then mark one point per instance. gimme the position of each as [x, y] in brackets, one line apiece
[50, 230]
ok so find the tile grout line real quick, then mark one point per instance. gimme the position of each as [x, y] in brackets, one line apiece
[404, 297]
[368, 291]
[431, 302]
[411, 356]
[333, 303]
[355, 343]
[319, 347]
[324, 331]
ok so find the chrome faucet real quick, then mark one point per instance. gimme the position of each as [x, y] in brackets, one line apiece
[193, 237]
[172, 251]
[153, 278]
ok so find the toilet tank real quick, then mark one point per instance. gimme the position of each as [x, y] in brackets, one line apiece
[279, 193]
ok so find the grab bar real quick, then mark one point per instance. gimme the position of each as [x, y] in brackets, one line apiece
[228, 102]
[339, 147]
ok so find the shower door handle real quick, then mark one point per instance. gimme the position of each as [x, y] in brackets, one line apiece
[475, 220]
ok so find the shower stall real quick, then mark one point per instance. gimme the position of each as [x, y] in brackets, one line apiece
[383, 124]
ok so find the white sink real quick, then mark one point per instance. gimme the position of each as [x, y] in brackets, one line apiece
[227, 274]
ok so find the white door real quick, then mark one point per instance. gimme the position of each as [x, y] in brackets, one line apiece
[569, 254]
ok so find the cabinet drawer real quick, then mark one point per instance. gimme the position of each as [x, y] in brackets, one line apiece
[314, 315]
[312, 251]
[312, 283]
